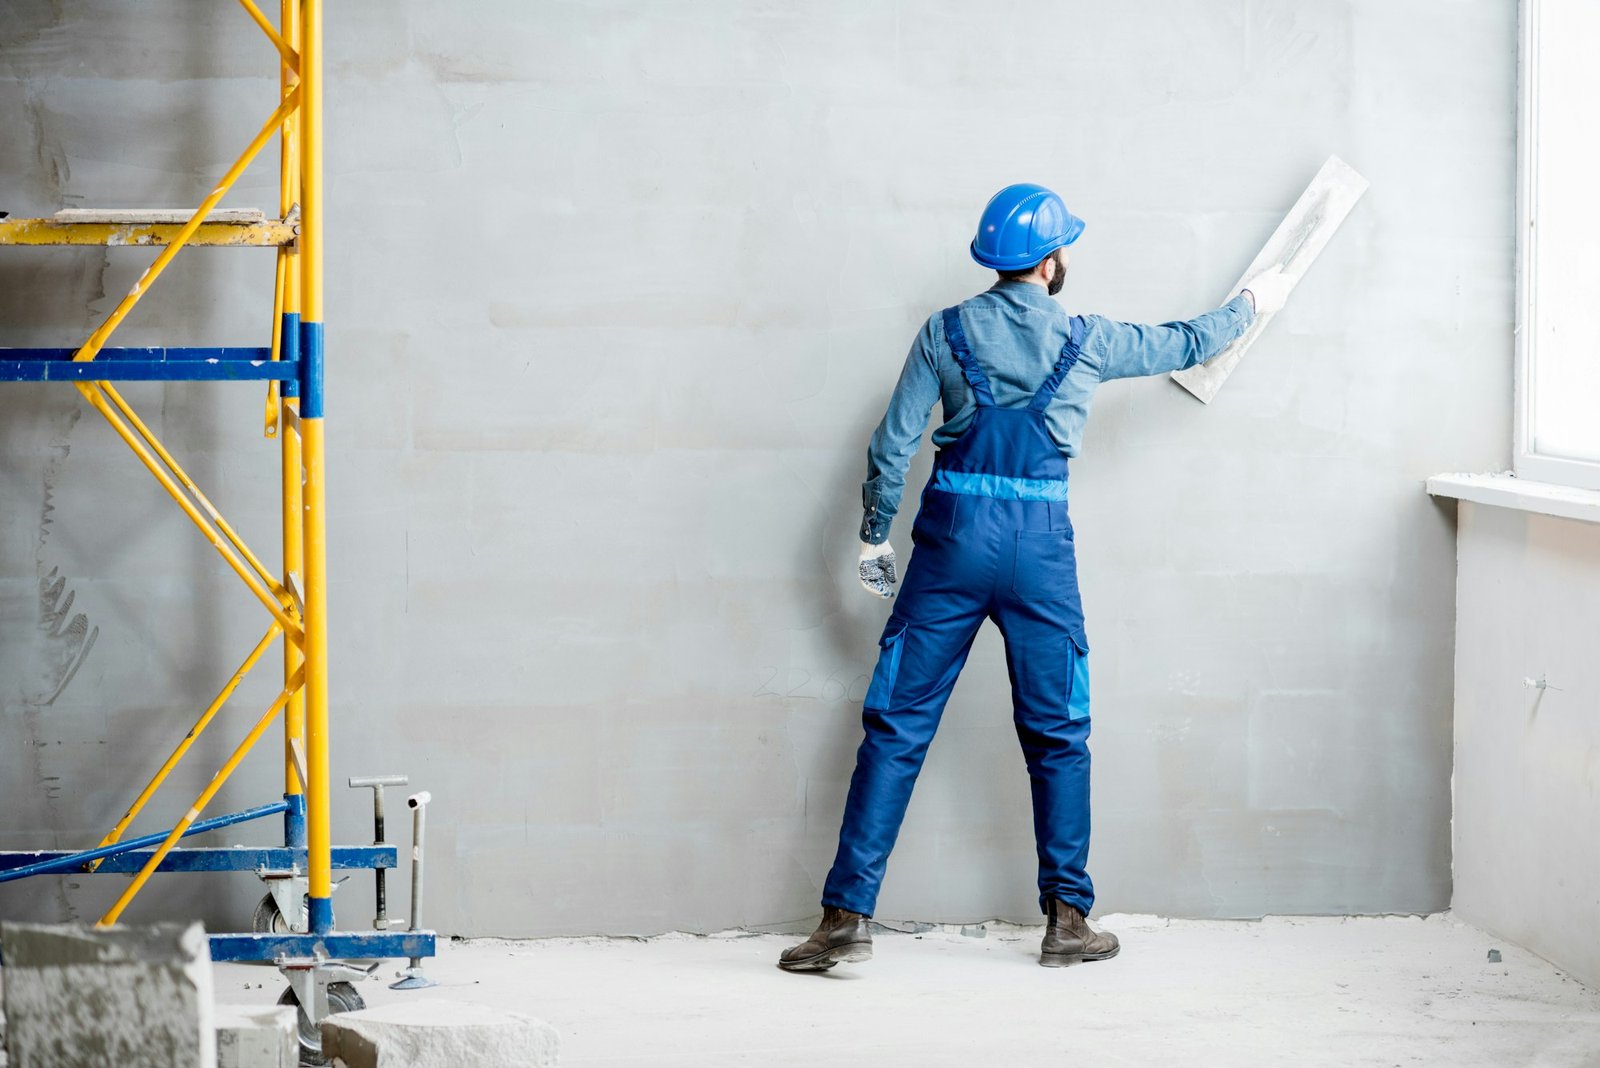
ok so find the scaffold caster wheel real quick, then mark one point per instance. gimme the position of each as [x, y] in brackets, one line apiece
[342, 997]
[268, 918]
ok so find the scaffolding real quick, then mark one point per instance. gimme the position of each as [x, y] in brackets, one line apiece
[300, 935]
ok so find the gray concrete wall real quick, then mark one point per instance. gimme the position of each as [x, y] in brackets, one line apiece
[1528, 605]
[616, 294]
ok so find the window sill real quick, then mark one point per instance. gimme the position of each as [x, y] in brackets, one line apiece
[1508, 491]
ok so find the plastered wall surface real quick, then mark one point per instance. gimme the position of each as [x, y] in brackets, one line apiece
[1526, 756]
[616, 294]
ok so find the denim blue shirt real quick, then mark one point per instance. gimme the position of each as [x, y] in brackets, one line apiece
[1016, 331]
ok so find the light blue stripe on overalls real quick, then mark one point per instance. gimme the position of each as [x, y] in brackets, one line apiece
[1001, 487]
[1078, 703]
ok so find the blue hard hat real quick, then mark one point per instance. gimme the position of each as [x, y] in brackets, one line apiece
[1021, 225]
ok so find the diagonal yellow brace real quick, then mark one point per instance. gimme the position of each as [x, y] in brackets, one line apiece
[200, 498]
[291, 627]
[210, 791]
[189, 739]
[97, 339]
[291, 59]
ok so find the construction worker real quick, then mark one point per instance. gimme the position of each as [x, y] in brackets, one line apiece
[993, 540]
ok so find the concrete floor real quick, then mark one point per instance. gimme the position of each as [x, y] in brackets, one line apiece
[1365, 991]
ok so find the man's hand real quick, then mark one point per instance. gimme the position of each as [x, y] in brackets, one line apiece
[1269, 290]
[877, 572]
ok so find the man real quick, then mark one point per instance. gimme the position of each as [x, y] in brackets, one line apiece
[1015, 374]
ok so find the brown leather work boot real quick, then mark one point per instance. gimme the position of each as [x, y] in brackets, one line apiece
[842, 937]
[1068, 938]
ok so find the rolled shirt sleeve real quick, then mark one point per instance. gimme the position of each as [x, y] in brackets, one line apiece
[1130, 350]
[895, 440]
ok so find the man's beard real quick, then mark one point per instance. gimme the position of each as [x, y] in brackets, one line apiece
[1061, 275]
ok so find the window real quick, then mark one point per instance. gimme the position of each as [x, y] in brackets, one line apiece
[1558, 251]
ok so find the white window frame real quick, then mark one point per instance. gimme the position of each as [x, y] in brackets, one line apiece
[1528, 463]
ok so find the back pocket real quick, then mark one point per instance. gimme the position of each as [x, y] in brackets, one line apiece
[1046, 569]
[883, 676]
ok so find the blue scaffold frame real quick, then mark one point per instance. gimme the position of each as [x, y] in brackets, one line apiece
[154, 364]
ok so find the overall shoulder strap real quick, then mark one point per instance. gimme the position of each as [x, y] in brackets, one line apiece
[1069, 356]
[956, 337]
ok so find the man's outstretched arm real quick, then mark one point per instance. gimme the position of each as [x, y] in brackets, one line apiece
[1130, 350]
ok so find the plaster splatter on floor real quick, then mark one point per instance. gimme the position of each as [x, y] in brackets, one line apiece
[1362, 991]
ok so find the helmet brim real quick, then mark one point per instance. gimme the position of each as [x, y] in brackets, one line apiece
[1033, 257]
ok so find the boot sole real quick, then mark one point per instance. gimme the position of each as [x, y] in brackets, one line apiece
[851, 953]
[1064, 960]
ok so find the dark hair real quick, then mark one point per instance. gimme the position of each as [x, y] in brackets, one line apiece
[1023, 272]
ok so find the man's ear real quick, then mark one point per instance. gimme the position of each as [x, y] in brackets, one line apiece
[1048, 269]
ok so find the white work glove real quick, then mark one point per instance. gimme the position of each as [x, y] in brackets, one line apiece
[1269, 290]
[877, 572]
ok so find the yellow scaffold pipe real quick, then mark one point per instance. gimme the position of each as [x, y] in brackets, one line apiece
[291, 59]
[91, 393]
[189, 739]
[319, 834]
[270, 419]
[97, 339]
[294, 719]
[286, 283]
[319, 820]
[284, 410]
[193, 814]
[200, 498]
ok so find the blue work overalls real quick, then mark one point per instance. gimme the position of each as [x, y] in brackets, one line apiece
[992, 541]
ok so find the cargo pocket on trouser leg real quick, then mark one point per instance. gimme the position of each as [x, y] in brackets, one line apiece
[1078, 686]
[890, 645]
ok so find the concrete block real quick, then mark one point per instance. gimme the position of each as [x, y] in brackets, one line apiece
[438, 1034]
[129, 996]
[257, 1036]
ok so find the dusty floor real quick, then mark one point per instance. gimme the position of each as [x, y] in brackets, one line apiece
[1399, 991]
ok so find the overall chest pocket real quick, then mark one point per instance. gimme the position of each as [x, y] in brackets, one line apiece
[1046, 566]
